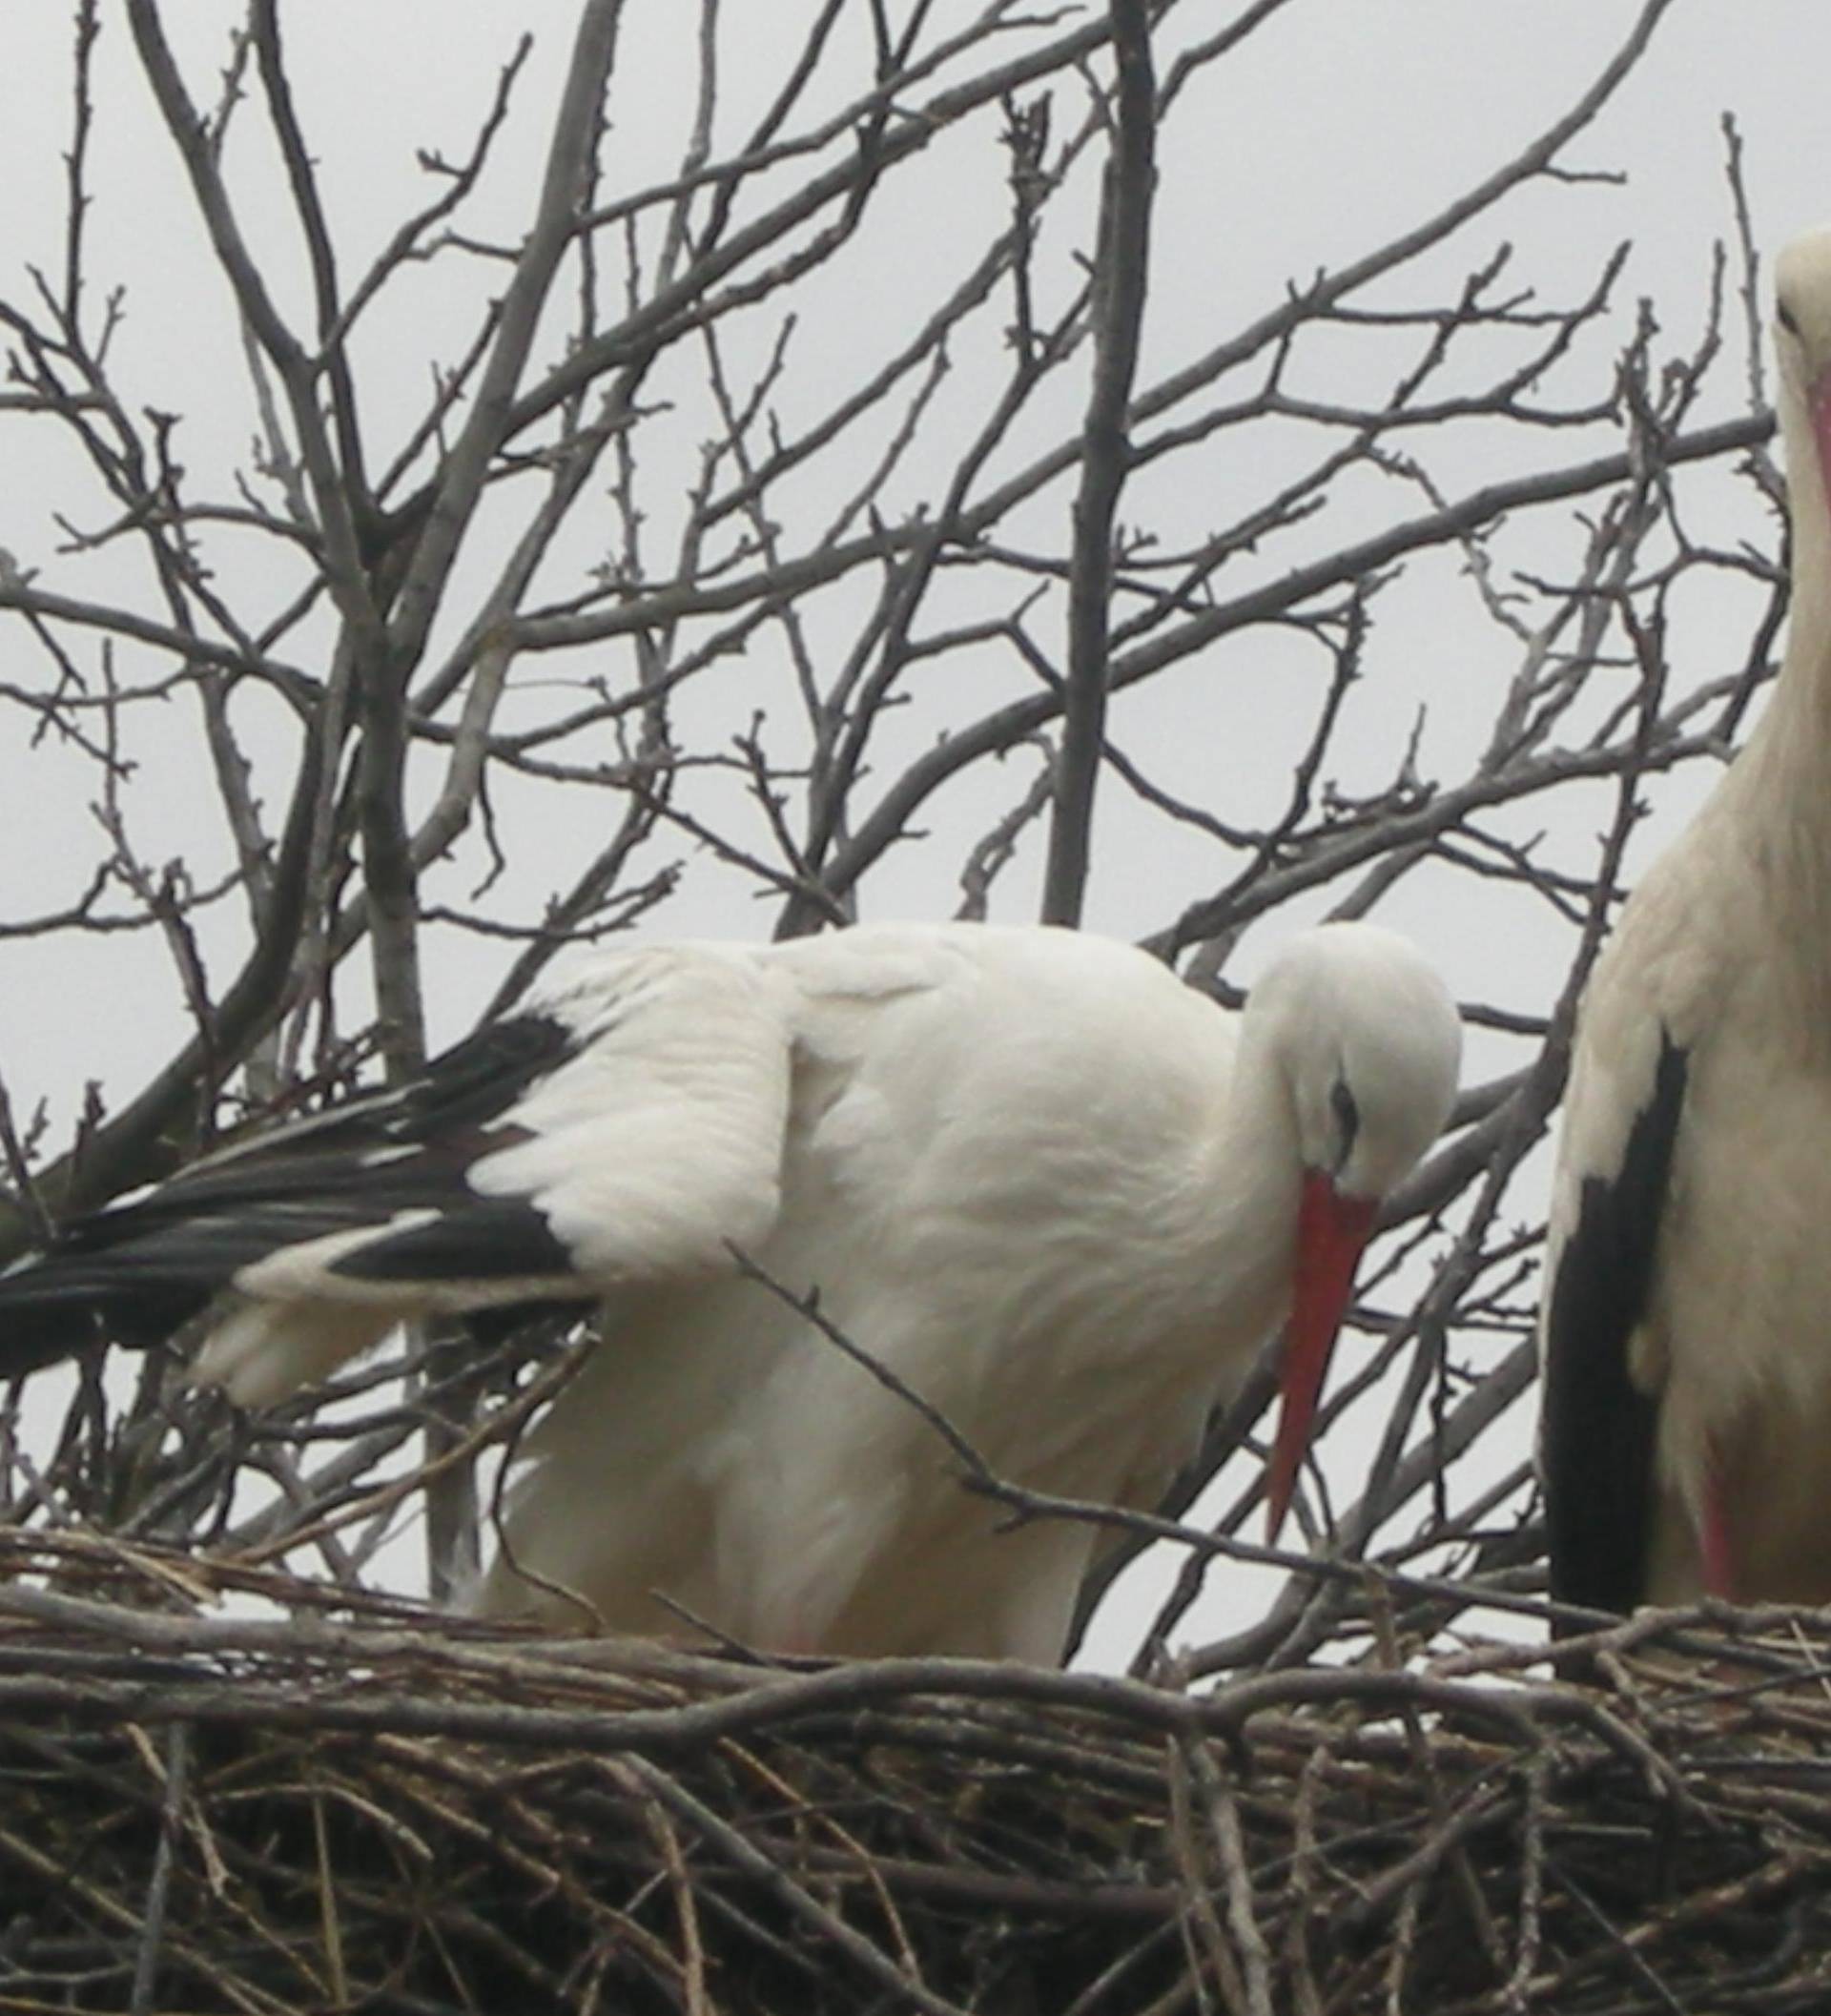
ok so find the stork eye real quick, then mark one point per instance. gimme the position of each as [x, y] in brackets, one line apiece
[1783, 314]
[1347, 1117]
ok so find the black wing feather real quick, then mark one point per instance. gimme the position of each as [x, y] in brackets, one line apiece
[139, 1271]
[490, 1238]
[1600, 1426]
[445, 1113]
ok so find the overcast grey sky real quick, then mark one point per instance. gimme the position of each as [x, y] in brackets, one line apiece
[1334, 128]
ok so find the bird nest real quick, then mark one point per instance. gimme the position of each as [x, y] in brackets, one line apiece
[298, 1801]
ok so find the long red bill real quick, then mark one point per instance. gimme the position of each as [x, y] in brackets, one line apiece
[1331, 1229]
[1715, 1542]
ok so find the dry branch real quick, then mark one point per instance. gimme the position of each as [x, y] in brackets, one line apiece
[223, 1814]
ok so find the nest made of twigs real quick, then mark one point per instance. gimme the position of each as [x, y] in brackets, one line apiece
[351, 1804]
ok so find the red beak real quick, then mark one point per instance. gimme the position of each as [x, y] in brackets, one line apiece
[1331, 1229]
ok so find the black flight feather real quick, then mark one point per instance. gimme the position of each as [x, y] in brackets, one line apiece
[138, 1271]
[1600, 1426]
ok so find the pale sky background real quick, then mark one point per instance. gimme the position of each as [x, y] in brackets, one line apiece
[1338, 126]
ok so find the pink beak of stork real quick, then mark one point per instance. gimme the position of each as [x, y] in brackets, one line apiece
[1331, 1229]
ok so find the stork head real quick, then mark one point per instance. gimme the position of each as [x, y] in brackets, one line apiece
[1371, 1044]
[1802, 348]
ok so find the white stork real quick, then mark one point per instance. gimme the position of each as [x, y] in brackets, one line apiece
[1686, 1330]
[1062, 1196]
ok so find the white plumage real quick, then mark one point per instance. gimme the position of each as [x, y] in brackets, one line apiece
[1687, 1324]
[1052, 1188]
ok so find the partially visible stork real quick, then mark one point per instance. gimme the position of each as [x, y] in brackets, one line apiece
[1062, 1196]
[1686, 1432]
